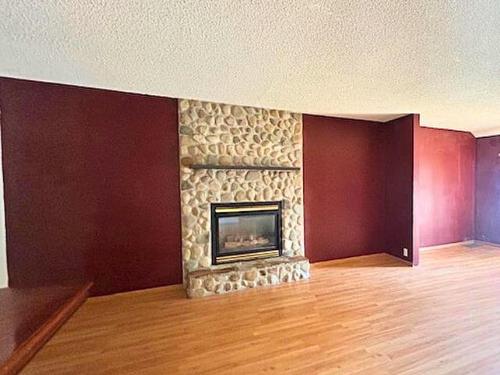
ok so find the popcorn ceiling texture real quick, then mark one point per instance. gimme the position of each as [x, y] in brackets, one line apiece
[222, 134]
[363, 59]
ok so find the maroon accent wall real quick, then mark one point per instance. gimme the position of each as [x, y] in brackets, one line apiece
[488, 189]
[345, 185]
[91, 187]
[446, 185]
[399, 165]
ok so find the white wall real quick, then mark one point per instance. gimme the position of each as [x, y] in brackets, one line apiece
[3, 247]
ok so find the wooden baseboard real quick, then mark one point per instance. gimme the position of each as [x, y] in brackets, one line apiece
[487, 243]
[444, 246]
[31, 346]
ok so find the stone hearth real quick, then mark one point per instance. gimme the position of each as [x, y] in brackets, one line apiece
[220, 135]
[271, 271]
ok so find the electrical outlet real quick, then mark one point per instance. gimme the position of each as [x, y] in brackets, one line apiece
[405, 252]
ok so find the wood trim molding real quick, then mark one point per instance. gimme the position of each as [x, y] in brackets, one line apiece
[487, 243]
[32, 345]
[444, 246]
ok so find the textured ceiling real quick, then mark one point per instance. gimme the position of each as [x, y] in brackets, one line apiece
[355, 58]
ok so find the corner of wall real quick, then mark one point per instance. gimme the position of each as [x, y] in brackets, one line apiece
[416, 167]
[400, 176]
[476, 184]
[4, 279]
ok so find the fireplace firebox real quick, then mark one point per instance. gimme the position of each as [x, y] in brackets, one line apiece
[245, 231]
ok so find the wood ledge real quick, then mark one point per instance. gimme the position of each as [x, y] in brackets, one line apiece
[244, 167]
[27, 350]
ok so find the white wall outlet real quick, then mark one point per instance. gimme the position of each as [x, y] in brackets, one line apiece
[405, 252]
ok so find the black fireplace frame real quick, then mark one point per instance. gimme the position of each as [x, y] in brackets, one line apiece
[214, 230]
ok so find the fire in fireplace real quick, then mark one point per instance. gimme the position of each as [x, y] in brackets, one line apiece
[245, 231]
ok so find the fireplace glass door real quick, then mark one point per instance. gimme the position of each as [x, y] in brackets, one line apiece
[245, 231]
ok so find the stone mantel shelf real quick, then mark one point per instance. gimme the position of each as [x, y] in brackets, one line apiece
[244, 167]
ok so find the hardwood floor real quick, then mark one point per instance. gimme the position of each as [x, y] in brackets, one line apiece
[367, 315]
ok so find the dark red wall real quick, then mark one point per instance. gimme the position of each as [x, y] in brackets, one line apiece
[399, 158]
[345, 178]
[91, 186]
[488, 189]
[446, 185]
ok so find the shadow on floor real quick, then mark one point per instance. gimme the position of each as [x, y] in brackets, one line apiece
[381, 260]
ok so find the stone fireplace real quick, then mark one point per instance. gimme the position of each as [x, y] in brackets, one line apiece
[241, 197]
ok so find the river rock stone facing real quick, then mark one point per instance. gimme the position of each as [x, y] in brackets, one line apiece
[227, 135]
